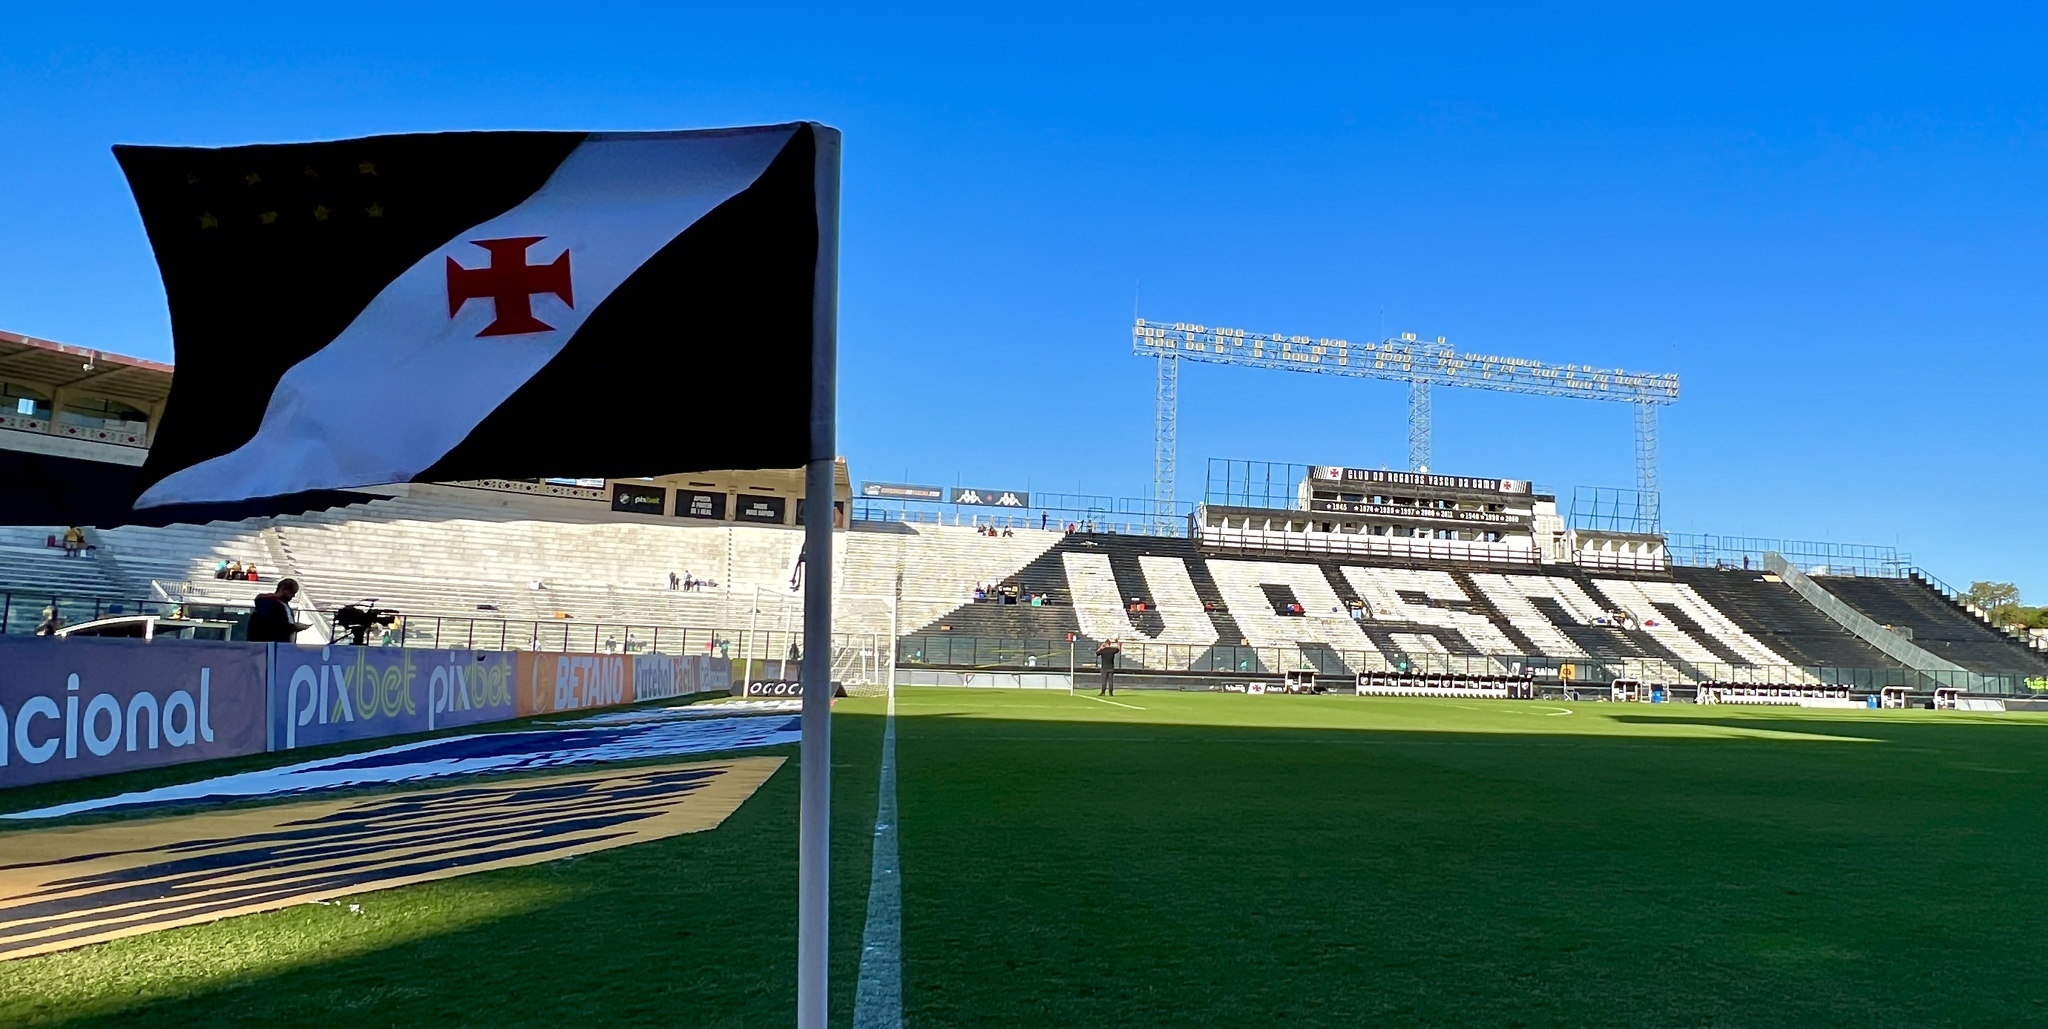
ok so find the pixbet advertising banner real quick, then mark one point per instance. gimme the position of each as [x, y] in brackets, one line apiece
[330, 694]
[547, 683]
[76, 707]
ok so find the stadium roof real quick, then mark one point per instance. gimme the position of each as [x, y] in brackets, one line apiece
[117, 376]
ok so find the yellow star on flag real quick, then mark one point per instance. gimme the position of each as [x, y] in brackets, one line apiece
[374, 210]
[268, 217]
[252, 178]
[208, 221]
[320, 213]
[366, 168]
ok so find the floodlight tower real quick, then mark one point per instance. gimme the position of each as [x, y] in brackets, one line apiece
[1422, 364]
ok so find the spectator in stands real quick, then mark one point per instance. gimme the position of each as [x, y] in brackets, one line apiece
[51, 622]
[1043, 521]
[74, 538]
[235, 570]
[1105, 655]
[220, 568]
[673, 582]
[249, 571]
[272, 622]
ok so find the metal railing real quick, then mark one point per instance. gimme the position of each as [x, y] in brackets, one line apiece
[1127, 523]
[1820, 558]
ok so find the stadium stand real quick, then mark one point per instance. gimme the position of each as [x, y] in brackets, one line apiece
[1935, 623]
[1343, 571]
[1778, 616]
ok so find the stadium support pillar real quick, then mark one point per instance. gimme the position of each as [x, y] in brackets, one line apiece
[1165, 444]
[1646, 465]
[1418, 425]
[814, 836]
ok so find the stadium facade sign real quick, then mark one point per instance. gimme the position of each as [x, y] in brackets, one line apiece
[1365, 476]
[637, 499]
[991, 497]
[1410, 511]
[334, 694]
[902, 491]
[80, 707]
[697, 504]
[757, 508]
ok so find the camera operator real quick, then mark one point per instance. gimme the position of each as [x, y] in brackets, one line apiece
[271, 622]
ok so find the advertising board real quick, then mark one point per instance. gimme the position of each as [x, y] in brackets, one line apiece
[902, 491]
[548, 683]
[331, 694]
[638, 499]
[76, 707]
[659, 677]
[991, 497]
[755, 508]
[697, 504]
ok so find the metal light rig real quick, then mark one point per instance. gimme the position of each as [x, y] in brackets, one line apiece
[1420, 363]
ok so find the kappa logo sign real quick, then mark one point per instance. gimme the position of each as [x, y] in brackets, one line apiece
[510, 283]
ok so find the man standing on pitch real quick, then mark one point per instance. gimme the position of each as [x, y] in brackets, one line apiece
[1106, 655]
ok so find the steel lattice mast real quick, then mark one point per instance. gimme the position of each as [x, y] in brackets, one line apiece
[1422, 364]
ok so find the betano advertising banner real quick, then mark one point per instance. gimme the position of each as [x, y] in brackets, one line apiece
[70, 708]
[330, 694]
[548, 683]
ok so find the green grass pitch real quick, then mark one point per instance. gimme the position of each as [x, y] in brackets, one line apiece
[1211, 859]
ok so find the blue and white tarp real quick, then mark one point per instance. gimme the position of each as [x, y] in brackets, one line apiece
[486, 753]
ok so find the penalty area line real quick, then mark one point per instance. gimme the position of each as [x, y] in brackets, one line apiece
[1106, 700]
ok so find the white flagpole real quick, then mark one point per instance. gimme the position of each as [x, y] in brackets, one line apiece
[814, 846]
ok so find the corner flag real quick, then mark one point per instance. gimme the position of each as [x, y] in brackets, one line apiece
[482, 305]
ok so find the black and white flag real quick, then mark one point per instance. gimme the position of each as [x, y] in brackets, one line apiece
[485, 305]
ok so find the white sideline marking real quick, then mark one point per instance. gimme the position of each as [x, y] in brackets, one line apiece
[1106, 700]
[878, 997]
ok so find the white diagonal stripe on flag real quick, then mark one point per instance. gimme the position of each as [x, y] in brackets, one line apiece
[406, 381]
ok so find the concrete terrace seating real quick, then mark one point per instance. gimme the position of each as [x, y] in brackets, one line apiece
[29, 566]
[1938, 625]
[1779, 618]
[457, 554]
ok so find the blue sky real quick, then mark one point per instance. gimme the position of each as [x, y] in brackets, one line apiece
[1829, 222]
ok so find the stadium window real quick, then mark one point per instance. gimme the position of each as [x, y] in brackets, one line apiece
[21, 400]
[95, 413]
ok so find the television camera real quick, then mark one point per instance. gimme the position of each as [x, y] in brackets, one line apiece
[358, 619]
